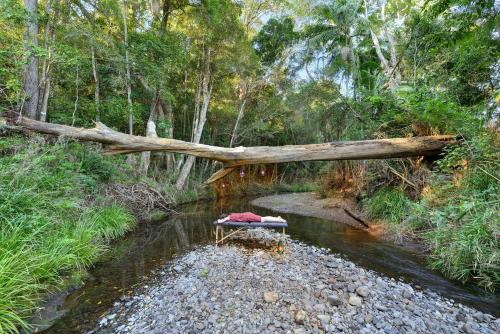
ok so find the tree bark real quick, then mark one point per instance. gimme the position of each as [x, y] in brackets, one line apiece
[233, 157]
[30, 77]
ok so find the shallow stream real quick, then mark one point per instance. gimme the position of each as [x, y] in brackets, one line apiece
[131, 261]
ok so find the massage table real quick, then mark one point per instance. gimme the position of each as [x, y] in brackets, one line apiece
[219, 228]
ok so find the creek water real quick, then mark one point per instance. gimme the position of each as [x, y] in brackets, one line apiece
[132, 260]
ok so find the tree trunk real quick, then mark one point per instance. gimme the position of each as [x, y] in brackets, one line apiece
[150, 132]
[127, 69]
[167, 114]
[96, 81]
[200, 122]
[388, 66]
[233, 157]
[30, 77]
[76, 98]
[158, 102]
[394, 75]
[237, 124]
[46, 65]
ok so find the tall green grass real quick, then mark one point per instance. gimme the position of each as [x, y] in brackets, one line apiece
[48, 228]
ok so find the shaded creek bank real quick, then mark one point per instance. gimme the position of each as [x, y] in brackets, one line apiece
[151, 245]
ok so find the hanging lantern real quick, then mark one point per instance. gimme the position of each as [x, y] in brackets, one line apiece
[242, 173]
[223, 185]
[262, 172]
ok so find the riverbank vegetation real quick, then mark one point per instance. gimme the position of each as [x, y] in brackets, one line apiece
[455, 213]
[52, 222]
[252, 72]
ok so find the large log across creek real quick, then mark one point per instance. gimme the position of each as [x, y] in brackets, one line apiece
[117, 142]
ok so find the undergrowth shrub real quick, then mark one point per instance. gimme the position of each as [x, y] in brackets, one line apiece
[47, 227]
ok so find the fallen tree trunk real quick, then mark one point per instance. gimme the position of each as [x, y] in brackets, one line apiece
[118, 143]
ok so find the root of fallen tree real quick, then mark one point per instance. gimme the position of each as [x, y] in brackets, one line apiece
[117, 142]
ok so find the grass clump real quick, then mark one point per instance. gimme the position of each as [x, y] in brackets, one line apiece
[48, 229]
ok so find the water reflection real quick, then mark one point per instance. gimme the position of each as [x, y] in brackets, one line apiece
[128, 264]
[151, 245]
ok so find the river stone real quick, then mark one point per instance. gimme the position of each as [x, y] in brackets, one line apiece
[334, 300]
[300, 316]
[467, 328]
[407, 294]
[319, 308]
[368, 318]
[380, 283]
[324, 318]
[355, 301]
[270, 296]
[362, 291]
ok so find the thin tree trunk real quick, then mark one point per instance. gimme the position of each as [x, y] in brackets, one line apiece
[157, 100]
[45, 80]
[30, 77]
[207, 90]
[96, 81]
[76, 98]
[167, 114]
[395, 74]
[150, 132]
[196, 108]
[237, 124]
[127, 68]
[45, 101]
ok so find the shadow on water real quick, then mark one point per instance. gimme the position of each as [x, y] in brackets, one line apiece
[152, 244]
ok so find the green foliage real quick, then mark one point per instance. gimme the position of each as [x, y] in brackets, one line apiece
[391, 205]
[47, 229]
[468, 250]
[274, 38]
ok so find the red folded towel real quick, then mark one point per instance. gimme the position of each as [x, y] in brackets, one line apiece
[244, 217]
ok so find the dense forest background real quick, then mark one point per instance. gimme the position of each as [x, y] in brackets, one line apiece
[249, 72]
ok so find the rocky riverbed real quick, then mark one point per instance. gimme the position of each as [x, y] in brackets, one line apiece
[249, 286]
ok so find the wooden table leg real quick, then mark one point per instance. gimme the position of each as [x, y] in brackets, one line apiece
[216, 234]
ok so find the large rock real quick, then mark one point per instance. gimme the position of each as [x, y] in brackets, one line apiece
[300, 316]
[355, 301]
[362, 291]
